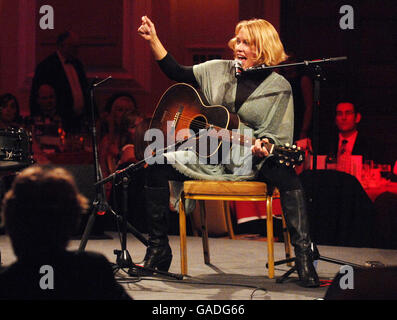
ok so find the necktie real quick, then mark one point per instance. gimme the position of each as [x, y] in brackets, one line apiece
[343, 147]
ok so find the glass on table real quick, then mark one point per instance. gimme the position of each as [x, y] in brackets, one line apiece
[385, 171]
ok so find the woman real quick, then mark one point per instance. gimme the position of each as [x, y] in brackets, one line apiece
[132, 150]
[110, 135]
[9, 112]
[263, 100]
[133, 130]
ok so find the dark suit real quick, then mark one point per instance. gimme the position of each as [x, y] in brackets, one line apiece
[362, 146]
[50, 71]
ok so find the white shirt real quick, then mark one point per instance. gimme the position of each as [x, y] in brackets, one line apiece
[344, 160]
[73, 78]
[349, 145]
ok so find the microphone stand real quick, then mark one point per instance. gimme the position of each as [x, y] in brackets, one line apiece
[100, 205]
[318, 77]
[123, 257]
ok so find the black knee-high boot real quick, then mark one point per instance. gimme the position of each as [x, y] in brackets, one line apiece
[297, 220]
[158, 254]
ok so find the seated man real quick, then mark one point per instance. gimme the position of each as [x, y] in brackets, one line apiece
[346, 142]
[47, 123]
[66, 74]
[349, 141]
[41, 211]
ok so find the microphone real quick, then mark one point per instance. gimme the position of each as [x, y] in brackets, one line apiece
[102, 81]
[238, 68]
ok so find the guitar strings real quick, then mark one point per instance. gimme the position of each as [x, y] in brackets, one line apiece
[197, 124]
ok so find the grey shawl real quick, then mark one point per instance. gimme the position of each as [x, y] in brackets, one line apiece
[268, 111]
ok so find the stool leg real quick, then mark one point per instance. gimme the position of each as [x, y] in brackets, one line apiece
[182, 235]
[287, 241]
[270, 238]
[229, 224]
[204, 232]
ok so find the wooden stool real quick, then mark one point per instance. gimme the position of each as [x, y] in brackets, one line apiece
[228, 191]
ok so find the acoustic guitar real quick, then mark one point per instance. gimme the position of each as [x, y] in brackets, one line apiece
[182, 113]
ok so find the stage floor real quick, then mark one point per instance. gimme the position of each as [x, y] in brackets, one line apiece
[237, 270]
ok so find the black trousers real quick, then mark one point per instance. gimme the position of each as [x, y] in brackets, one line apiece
[272, 173]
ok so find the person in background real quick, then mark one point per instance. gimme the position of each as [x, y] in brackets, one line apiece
[110, 135]
[116, 106]
[349, 140]
[9, 112]
[47, 124]
[65, 73]
[41, 212]
[128, 140]
[46, 100]
[131, 151]
[111, 126]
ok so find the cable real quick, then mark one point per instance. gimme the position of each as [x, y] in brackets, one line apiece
[252, 294]
[130, 280]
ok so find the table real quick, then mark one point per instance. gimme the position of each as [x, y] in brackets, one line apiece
[375, 192]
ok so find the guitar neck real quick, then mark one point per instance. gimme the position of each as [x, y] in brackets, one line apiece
[242, 140]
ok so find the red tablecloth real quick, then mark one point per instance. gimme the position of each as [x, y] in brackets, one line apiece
[245, 211]
[373, 193]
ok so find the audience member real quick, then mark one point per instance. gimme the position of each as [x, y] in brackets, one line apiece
[41, 211]
[132, 144]
[118, 104]
[130, 128]
[47, 124]
[9, 112]
[348, 140]
[10, 118]
[110, 130]
[138, 138]
[65, 73]
[46, 101]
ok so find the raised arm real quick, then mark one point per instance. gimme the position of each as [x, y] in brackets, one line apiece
[171, 68]
[148, 32]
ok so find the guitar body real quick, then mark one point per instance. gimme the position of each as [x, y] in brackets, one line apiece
[181, 109]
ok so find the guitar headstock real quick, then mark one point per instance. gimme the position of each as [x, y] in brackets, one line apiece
[289, 155]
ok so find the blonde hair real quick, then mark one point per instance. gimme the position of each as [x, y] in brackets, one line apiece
[265, 38]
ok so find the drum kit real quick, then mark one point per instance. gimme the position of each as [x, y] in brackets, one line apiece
[15, 149]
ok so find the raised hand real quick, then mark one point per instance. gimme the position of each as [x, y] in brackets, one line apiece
[147, 29]
[148, 32]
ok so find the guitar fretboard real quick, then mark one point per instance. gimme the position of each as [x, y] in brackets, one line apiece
[236, 138]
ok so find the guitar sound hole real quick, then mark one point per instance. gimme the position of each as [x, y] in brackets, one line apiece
[198, 123]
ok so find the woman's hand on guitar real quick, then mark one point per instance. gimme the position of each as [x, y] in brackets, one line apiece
[259, 149]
